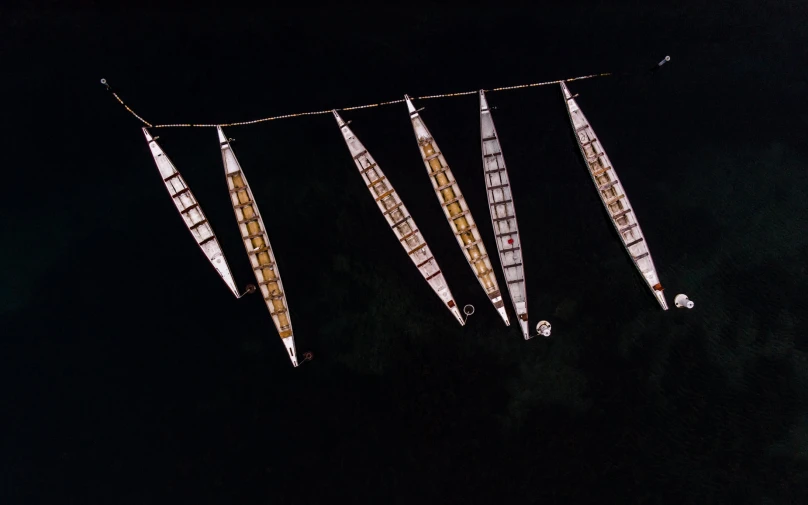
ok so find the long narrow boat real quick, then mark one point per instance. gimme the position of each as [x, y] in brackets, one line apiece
[256, 242]
[457, 212]
[398, 218]
[191, 213]
[503, 214]
[613, 197]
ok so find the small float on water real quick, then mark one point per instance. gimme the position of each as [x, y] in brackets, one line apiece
[457, 212]
[613, 196]
[683, 302]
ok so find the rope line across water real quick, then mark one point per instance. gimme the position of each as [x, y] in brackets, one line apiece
[356, 107]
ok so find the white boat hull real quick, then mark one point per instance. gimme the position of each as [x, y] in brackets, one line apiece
[503, 215]
[191, 213]
[614, 197]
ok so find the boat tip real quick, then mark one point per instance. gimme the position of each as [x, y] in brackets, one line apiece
[525, 328]
[659, 294]
[456, 313]
[222, 137]
[565, 90]
[662, 302]
[289, 342]
[410, 106]
[504, 315]
[483, 101]
[338, 118]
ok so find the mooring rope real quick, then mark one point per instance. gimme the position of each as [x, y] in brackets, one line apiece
[356, 107]
[130, 110]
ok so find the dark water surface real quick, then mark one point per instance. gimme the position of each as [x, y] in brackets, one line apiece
[132, 376]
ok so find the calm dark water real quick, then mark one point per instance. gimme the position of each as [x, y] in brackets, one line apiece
[132, 376]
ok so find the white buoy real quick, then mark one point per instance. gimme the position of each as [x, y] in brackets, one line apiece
[665, 60]
[468, 310]
[682, 301]
[543, 328]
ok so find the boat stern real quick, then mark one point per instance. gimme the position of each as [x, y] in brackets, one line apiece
[289, 342]
[504, 315]
[525, 329]
[657, 289]
[456, 313]
[660, 296]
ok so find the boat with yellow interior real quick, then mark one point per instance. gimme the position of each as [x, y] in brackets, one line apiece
[256, 242]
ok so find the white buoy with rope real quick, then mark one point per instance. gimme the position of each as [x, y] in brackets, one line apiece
[544, 328]
[661, 62]
[683, 302]
[468, 310]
